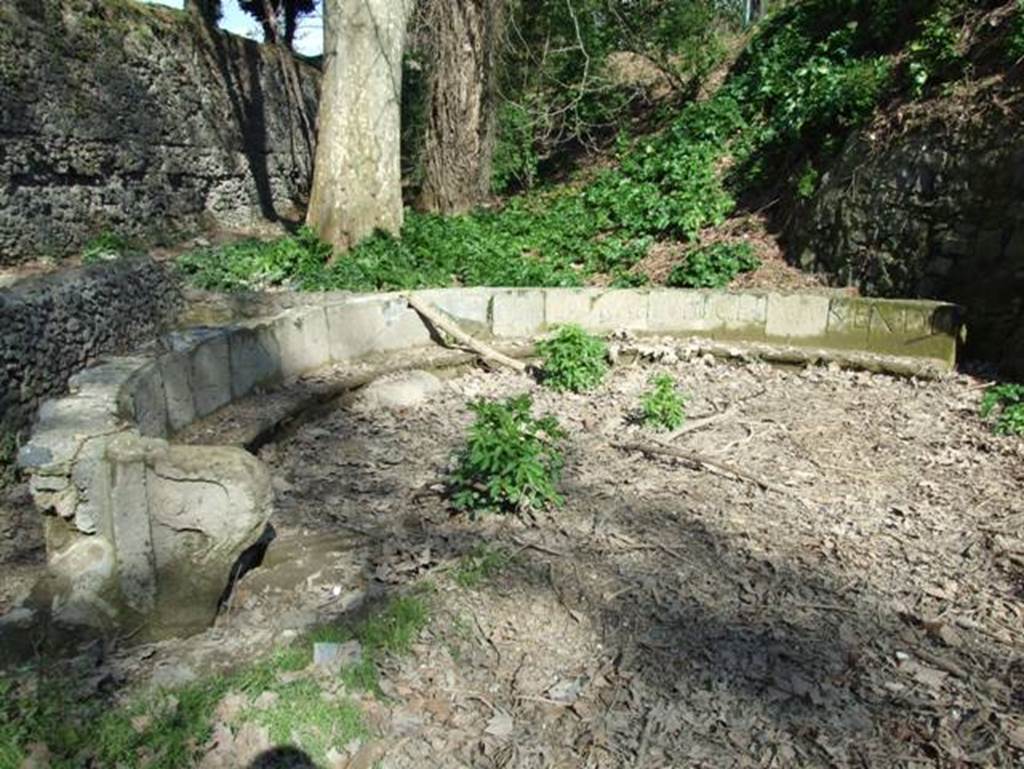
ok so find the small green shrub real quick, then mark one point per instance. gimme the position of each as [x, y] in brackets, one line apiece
[1006, 403]
[105, 247]
[573, 360]
[511, 462]
[664, 408]
[714, 266]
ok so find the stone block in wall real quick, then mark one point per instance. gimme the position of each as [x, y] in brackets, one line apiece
[63, 426]
[131, 527]
[598, 310]
[106, 379]
[364, 325]
[518, 312]
[567, 306]
[895, 327]
[469, 307]
[302, 340]
[210, 373]
[148, 402]
[738, 315]
[91, 482]
[176, 376]
[679, 311]
[619, 309]
[792, 317]
[255, 357]
[85, 591]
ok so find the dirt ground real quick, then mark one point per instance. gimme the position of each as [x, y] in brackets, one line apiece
[853, 600]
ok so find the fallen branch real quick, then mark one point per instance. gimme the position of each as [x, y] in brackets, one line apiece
[699, 462]
[448, 326]
[700, 424]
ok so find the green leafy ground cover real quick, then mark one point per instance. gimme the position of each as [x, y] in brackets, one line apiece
[1004, 405]
[169, 729]
[813, 71]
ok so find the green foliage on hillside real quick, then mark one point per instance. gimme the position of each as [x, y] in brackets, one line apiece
[563, 74]
[812, 72]
[713, 266]
[1004, 404]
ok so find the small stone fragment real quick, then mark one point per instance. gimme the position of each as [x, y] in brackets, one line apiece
[337, 654]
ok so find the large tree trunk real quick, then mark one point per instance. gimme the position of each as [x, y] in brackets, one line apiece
[357, 182]
[463, 49]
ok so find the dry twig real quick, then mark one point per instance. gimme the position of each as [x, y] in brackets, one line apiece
[699, 462]
[448, 326]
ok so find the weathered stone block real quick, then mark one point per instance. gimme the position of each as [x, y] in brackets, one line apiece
[145, 391]
[895, 327]
[598, 310]
[255, 358]
[207, 504]
[106, 380]
[86, 582]
[621, 309]
[130, 522]
[738, 315]
[176, 375]
[518, 312]
[180, 518]
[796, 316]
[302, 340]
[210, 375]
[680, 311]
[564, 306]
[361, 326]
[469, 307]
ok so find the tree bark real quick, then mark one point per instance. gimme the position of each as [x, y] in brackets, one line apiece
[464, 40]
[357, 184]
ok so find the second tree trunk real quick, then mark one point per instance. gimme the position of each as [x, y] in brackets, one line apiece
[464, 38]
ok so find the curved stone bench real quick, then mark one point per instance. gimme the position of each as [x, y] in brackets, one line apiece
[140, 530]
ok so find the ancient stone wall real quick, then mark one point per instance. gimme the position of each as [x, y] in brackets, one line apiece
[132, 519]
[933, 207]
[118, 116]
[52, 327]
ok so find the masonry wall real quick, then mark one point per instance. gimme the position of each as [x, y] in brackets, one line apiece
[52, 327]
[933, 207]
[120, 116]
